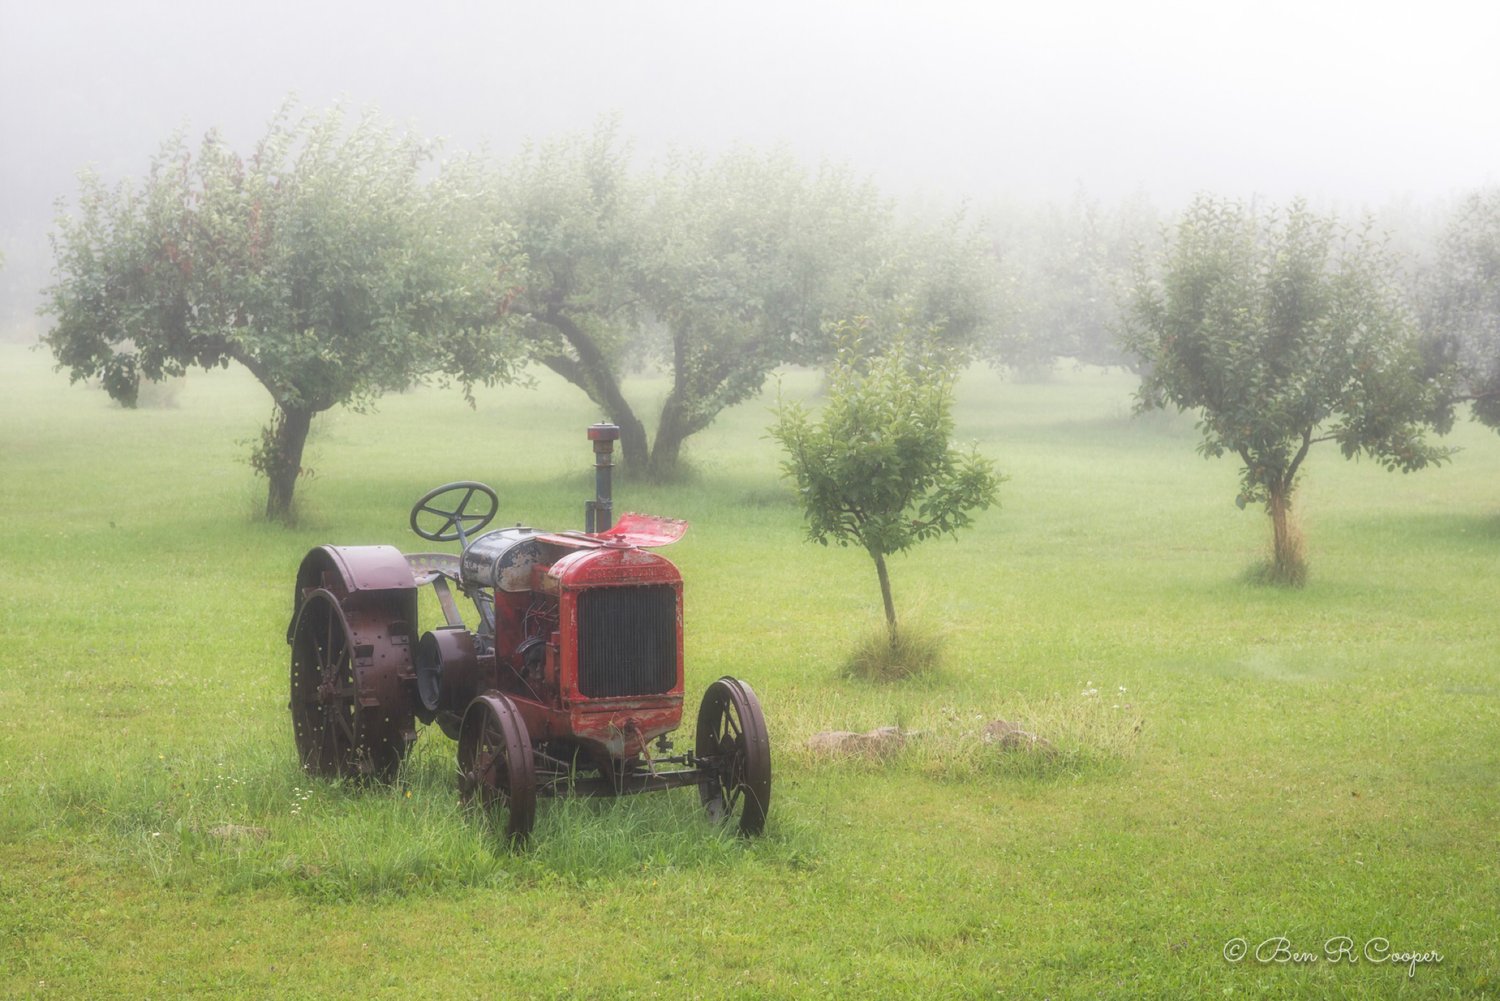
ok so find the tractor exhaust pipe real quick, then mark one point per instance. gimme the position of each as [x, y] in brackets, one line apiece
[598, 514]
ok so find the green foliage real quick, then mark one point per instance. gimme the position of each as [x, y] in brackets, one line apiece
[573, 208]
[875, 468]
[1282, 331]
[321, 263]
[717, 270]
[1065, 267]
[748, 257]
[1462, 301]
[939, 273]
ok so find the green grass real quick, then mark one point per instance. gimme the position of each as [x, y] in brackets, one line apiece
[1228, 760]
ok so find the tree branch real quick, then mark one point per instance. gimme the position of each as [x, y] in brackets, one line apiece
[568, 368]
[1291, 469]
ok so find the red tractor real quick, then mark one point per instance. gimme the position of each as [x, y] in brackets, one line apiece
[570, 683]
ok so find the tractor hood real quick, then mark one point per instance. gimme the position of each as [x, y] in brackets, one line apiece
[641, 531]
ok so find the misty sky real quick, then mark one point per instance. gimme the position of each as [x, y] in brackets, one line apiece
[1352, 102]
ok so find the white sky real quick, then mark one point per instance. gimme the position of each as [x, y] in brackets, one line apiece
[1357, 102]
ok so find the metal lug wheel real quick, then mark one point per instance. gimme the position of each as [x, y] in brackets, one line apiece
[496, 769]
[735, 751]
[341, 727]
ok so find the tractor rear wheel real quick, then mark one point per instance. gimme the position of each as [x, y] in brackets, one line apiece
[341, 726]
[496, 768]
[735, 752]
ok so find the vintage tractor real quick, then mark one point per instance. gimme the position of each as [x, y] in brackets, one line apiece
[570, 683]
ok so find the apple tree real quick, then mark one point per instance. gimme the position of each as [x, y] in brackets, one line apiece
[715, 270]
[1282, 331]
[322, 263]
[1462, 301]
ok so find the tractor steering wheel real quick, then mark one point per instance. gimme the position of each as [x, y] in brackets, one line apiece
[457, 522]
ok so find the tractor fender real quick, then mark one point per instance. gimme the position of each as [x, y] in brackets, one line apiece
[368, 576]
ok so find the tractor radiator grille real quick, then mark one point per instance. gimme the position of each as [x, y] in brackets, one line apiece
[627, 641]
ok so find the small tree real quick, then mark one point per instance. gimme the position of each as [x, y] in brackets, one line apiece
[875, 467]
[1462, 301]
[1282, 332]
[321, 264]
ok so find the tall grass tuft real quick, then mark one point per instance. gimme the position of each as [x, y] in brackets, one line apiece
[912, 650]
[1289, 569]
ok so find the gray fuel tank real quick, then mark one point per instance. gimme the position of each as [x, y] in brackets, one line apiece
[502, 559]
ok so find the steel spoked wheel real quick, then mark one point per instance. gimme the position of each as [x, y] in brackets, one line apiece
[341, 727]
[735, 752]
[496, 769]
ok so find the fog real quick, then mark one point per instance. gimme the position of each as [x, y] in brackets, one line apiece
[1352, 102]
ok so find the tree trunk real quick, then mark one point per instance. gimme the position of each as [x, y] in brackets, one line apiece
[1287, 563]
[682, 413]
[885, 594]
[671, 429]
[590, 371]
[670, 434]
[664, 456]
[634, 451]
[281, 458]
[674, 429]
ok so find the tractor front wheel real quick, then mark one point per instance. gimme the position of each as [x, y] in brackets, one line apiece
[496, 769]
[734, 751]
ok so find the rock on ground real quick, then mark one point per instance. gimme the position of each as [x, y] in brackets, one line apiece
[1011, 737]
[880, 742]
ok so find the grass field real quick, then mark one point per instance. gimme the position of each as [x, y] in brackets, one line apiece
[1234, 763]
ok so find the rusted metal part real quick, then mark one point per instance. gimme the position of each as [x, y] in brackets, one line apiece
[615, 782]
[495, 765]
[603, 432]
[345, 570]
[351, 675]
[612, 567]
[608, 574]
[598, 514]
[640, 531]
[646, 531]
[449, 606]
[438, 570]
[426, 567]
[625, 734]
[734, 751]
[350, 704]
[449, 671]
